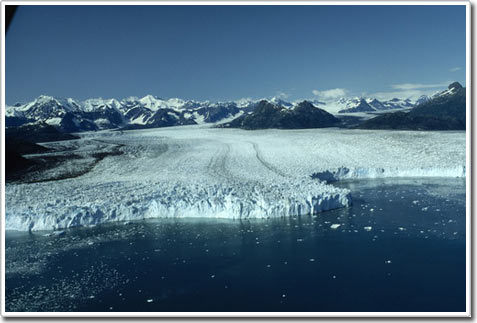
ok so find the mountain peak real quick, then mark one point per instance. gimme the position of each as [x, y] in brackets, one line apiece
[280, 102]
[306, 104]
[455, 85]
[149, 97]
[44, 98]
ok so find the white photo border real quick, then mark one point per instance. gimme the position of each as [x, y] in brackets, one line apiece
[467, 313]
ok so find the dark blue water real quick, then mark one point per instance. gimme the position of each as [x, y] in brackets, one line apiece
[400, 247]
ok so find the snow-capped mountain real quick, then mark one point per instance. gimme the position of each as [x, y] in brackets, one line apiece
[422, 99]
[445, 110]
[69, 115]
[267, 115]
[150, 111]
[449, 104]
[396, 103]
[357, 105]
[376, 104]
[281, 102]
[362, 104]
[42, 108]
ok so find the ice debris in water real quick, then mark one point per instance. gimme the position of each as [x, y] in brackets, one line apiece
[368, 228]
[55, 234]
[335, 226]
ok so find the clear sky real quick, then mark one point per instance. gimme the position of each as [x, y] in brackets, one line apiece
[233, 52]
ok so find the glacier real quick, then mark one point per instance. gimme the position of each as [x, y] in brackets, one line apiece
[201, 171]
[342, 173]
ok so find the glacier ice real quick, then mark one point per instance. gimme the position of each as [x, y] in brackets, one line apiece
[403, 171]
[233, 200]
[198, 171]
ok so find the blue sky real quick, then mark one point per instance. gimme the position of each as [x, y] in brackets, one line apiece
[233, 52]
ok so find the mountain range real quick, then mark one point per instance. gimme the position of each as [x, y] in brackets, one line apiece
[445, 110]
[68, 115]
[363, 104]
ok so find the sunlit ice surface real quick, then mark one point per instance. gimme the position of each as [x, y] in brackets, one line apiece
[197, 171]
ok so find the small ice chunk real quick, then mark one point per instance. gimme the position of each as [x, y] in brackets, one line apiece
[387, 261]
[368, 228]
[312, 259]
[335, 226]
[150, 300]
[55, 233]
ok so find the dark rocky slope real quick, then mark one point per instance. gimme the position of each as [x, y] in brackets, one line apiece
[267, 115]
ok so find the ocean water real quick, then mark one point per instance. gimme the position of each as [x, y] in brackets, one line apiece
[400, 247]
